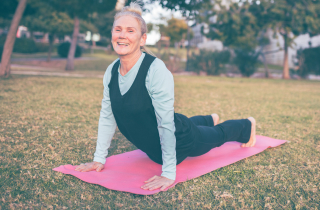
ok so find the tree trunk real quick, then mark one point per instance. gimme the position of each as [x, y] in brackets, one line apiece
[72, 50]
[175, 60]
[188, 49]
[266, 69]
[51, 39]
[285, 74]
[11, 37]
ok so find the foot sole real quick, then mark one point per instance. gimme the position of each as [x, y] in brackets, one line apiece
[252, 140]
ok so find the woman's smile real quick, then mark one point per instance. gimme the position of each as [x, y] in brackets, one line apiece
[126, 36]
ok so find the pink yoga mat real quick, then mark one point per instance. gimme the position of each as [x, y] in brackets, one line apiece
[128, 171]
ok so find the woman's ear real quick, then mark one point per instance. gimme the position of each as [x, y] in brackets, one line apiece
[143, 39]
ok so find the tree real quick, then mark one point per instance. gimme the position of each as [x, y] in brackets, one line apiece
[176, 29]
[80, 9]
[11, 36]
[47, 20]
[104, 23]
[189, 8]
[290, 19]
[210, 62]
[237, 28]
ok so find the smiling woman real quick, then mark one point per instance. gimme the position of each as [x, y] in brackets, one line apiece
[139, 99]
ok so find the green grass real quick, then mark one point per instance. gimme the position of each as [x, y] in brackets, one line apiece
[46, 122]
[272, 67]
[100, 63]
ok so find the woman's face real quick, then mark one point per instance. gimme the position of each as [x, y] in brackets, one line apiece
[126, 36]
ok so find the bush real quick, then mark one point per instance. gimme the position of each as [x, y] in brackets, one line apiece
[24, 45]
[308, 61]
[102, 43]
[42, 47]
[208, 61]
[63, 50]
[246, 61]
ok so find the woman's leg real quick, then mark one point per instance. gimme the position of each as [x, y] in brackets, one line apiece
[205, 120]
[215, 136]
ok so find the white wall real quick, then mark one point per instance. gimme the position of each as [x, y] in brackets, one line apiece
[301, 41]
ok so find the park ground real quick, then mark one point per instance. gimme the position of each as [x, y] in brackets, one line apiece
[46, 122]
[94, 64]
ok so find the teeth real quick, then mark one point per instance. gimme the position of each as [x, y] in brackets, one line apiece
[123, 44]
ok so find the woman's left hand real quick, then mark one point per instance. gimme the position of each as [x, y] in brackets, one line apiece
[157, 182]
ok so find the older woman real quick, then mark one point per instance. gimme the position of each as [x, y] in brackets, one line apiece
[139, 97]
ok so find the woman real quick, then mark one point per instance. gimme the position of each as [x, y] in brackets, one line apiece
[139, 98]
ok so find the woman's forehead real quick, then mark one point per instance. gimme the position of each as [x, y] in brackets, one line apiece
[126, 21]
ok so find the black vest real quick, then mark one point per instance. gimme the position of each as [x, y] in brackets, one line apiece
[136, 119]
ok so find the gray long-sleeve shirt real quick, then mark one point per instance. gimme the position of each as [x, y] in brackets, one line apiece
[160, 86]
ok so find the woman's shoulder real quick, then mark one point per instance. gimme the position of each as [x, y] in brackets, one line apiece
[107, 74]
[109, 68]
[159, 76]
[158, 67]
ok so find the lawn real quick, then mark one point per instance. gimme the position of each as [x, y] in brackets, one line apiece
[49, 121]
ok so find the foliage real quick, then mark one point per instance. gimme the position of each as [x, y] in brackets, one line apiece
[103, 43]
[63, 50]
[238, 26]
[47, 20]
[210, 62]
[176, 29]
[243, 24]
[83, 9]
[308, 61]
[103, 22]
[7, 9]
[187, 7]
[246, 61]
[235, 26]
[42, 47]
[26, 45]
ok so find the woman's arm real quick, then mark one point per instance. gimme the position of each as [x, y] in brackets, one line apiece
[107, 124]
[106, 129]
[160, 85]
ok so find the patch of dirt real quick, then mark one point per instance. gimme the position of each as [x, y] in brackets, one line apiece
[57, 64]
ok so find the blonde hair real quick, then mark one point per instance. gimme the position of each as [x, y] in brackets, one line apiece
[134, 10]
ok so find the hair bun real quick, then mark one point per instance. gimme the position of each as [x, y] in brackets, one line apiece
[133, 7]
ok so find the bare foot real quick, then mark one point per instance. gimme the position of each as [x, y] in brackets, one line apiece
[252, 140]
[215, 118]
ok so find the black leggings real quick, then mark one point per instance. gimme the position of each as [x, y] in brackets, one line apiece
[214, 136]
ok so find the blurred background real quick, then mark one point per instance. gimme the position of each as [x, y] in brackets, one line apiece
[252, 38]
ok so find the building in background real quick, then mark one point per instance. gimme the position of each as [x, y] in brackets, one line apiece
[276, 55]
[201, 41]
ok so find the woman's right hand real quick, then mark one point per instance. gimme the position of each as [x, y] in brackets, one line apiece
[84, 167]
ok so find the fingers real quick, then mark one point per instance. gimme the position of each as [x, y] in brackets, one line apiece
[158, 182]
[80, 167]
[99, 168]
[164, 187]
[89, 167]
[151, 179]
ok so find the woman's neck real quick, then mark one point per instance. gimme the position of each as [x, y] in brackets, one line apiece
[128, 61]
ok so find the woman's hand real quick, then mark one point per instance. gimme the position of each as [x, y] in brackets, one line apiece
[157, 182]
[84, 167]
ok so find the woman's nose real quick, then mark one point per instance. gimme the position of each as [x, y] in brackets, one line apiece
[122, 34]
